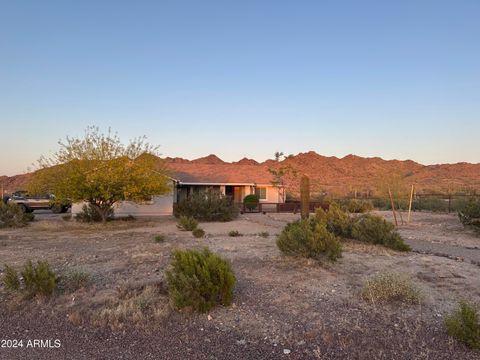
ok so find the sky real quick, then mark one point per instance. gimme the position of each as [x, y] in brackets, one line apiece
[395, 79]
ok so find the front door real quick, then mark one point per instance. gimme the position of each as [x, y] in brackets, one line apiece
[238, 194]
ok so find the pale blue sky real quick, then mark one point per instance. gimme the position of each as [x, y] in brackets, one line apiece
[396, 79]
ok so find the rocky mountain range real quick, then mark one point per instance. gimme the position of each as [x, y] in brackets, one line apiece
[340, 176]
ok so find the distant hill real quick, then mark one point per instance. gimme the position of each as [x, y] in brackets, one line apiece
[340, 176]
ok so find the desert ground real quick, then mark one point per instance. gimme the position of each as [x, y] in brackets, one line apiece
[283, 307]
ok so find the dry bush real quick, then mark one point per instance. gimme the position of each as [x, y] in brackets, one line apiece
[11, 280]
[198, 233]
[391, 287]
[356, 206]
[75, 279]
[159, 238]
[133, 307]
[187, 223]
[234, 233]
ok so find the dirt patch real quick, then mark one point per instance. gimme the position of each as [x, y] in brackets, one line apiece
[282, 306]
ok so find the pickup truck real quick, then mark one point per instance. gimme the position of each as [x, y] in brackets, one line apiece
[30, 203]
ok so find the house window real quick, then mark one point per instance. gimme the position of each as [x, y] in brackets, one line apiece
[261, 192]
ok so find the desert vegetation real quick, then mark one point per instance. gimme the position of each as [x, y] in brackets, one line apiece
[464, 324]
[100, 170]
[200, 279]
[391, 287]
[118, 279]
[470, 214]
[12, 216]
[207, 206]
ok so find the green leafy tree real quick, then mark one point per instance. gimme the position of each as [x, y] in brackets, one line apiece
[100, 170]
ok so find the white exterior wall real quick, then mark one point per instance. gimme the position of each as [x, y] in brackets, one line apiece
[273, 195]
[160, 205]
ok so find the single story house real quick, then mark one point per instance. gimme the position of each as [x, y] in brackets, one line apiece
[233, 180]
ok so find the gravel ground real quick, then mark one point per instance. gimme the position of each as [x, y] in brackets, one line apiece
[283, 307]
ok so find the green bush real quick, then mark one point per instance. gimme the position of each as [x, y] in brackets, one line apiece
[90, 214]
[391, 287]
[375, 230]
[356, 206]
[11, 216]
[464, 325]
[198, 233]
[207, 206]
[10, 279]
[159, 238]
[309, 238]
[187, 223]
[199, 279]
[39, 279]
[234, 233]
[336, 219]
[251, 202]
[469, 215]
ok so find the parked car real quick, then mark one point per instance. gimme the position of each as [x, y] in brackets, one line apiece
[30, 203]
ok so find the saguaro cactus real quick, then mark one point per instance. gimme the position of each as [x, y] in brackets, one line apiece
[305, 196]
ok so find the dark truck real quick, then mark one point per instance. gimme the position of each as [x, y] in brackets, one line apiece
[30, 203]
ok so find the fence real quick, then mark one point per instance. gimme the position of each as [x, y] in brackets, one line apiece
[428, 202]
[288, 207]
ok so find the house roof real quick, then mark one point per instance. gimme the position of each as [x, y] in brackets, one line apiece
[210, 174]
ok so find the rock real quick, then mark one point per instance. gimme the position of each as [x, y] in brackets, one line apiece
[287, 351]
[241, 342]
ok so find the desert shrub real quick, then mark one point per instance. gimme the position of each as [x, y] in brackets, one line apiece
[359, 206]
[75, 279]
[391, 287]
[309, 238]
[67, 217]
[430, 204]
[39, 279]
[187, 223]
[90, 214]
[11, 215]
[470, 214]
[198, 232]
[381, 204]
[264, 234]
[251, 202]
[28, 217]
[207, 206]
[235, 233]
[10, 278]
[336, 219]
[464, 325]
[159, 238]
[199, 279]
[376, 230]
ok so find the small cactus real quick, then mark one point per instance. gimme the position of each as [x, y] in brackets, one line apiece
[305, 197]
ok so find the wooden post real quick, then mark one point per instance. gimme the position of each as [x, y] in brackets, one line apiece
[410, 205]
[393, 206]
